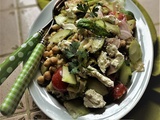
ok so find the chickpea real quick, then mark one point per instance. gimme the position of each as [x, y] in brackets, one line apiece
[55, 49]
[53, 33]
[55, 27]
[54, 60]
[47, 62]
[46, 54]
[60, 29]
[50, 53]
[52, 69]
[49, 47]
[122, 43]
[40, 80]
[47, 75]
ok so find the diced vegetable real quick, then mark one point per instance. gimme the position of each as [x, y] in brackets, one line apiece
[119, 90]
[132, 24]
[125, 74]
[113, 29]
[100, 23]
[96, 85]
[92, 44]
[129, 15]
[60, 19]
[135, 53]
[60, 35]
[97, 27]
[135, 56]
[79, 88]
[67, 76]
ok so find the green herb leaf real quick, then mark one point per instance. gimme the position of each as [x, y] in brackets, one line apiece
[83, 7]
[73, 67]
[74, 46]
[77, 58]
[82, 56]
[69, 53]
[94, 11]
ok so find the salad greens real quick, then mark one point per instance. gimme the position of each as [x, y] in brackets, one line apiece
[91, 55]
[78, 57]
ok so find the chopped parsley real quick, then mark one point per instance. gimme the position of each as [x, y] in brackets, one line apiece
[77, 57]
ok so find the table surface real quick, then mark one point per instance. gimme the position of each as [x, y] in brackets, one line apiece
[16, 18]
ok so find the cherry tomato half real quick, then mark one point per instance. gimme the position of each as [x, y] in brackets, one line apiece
[57, 82]
[119, 90]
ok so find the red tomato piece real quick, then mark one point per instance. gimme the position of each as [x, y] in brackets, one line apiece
[57, 82]
[119, 90]
[121, 16]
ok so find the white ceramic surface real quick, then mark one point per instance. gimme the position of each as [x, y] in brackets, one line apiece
[56, 111]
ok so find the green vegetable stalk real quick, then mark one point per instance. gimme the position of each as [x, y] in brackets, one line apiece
[94, 27]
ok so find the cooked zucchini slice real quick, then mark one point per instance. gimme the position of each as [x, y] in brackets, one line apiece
[60, 35]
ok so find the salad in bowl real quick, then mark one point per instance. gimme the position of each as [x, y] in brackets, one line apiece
[90, 56]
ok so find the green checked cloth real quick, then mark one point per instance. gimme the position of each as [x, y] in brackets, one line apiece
[10, 103]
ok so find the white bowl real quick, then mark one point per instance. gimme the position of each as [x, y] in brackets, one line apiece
[53, 109]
